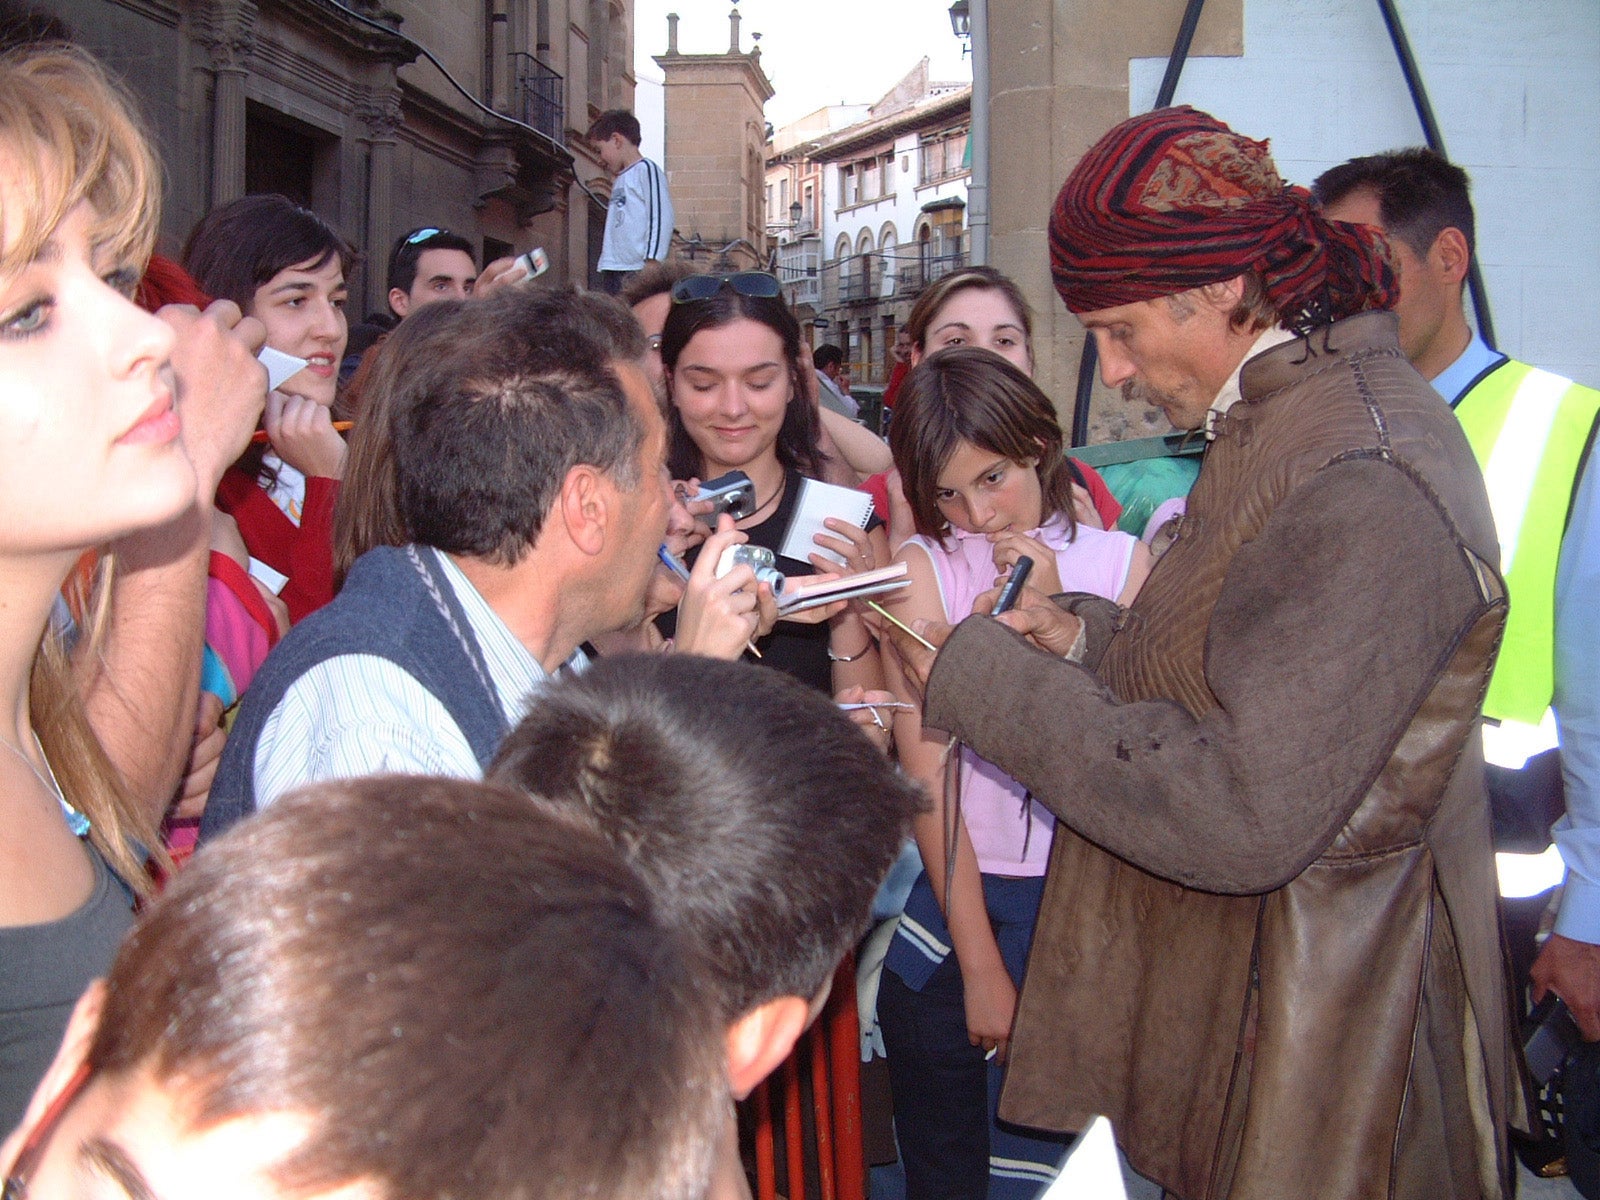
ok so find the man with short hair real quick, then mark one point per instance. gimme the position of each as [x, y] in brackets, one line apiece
[758, 815]
[530, 474]
[384, 989]
[828, 361]
[429, 264]
[639, 218]
[1268, 946]
[1532, 433]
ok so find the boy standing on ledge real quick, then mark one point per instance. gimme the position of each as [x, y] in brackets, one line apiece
[639, 223]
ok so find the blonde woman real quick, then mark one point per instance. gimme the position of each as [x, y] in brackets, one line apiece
[90, 450]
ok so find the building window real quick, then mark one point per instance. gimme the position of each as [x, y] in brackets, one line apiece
[870, 189]
[942, 155]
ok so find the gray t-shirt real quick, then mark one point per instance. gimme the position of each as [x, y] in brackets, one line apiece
[43, 971]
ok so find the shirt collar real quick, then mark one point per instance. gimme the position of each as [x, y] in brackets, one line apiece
[1229, 395]
[1477, 358]
[513, 671]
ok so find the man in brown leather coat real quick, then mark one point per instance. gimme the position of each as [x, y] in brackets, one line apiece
[1268, 946]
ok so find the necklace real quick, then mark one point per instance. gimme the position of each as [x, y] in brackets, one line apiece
[76, 821]
[767, 503]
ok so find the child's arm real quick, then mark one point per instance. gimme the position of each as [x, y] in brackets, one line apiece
[991, 998]
[1138, 571]
[850, 637]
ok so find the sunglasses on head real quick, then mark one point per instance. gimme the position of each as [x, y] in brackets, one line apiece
[755, 284]
[423, 234]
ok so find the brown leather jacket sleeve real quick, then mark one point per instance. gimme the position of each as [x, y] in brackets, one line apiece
[1330, 629]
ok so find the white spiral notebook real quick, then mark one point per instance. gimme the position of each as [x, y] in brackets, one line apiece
[817, 502]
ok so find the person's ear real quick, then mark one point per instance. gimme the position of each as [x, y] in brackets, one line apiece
[761, 1039]
[70, 1057]
[1225, 295]
[1449, 254]
[400, 302]
[585, 504]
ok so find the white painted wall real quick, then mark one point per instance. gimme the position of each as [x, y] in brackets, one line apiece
[1515, 88]
[902, 208]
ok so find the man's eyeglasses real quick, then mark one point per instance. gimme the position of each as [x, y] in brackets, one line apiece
[422, 235]
[16, 1185]
[754, 284]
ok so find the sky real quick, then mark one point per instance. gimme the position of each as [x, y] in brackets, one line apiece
[815, 52]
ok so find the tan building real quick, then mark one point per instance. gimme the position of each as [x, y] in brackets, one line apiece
[715, 161]
[336, 107]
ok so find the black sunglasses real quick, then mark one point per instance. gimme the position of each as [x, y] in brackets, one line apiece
[754, 284]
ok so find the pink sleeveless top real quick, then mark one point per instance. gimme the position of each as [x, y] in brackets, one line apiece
[1010, 832]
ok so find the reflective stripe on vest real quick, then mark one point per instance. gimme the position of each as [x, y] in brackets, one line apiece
[1528, 429]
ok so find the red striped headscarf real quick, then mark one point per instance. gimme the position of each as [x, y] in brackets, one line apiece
[1174, 199]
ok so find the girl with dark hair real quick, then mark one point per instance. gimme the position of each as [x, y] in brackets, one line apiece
[731, 351]
[980, 306]
[285, 266]
[980, 452]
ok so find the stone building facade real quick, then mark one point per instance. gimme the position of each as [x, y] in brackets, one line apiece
[337, 106]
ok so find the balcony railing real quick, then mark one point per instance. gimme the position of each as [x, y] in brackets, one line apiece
[898, 275]
[536, 97]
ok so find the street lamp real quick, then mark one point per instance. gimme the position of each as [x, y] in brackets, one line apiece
[795, 209]
[961, 19]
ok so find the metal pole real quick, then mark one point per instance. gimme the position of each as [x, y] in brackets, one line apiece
[1435, 140]
[978, 183]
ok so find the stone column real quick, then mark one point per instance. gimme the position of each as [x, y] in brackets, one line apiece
[231, 43]
[379, 113]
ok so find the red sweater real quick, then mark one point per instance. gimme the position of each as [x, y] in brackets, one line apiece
[304, 553]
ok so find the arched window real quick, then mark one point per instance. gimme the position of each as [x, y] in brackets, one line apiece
[889, 250]
[864, 272]
[841, 255]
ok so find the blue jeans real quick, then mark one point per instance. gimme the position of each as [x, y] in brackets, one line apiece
[946, 1093]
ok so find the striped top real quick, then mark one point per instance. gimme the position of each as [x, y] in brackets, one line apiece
[360, 714]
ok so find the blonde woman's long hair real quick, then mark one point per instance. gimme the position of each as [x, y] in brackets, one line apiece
[69, 135]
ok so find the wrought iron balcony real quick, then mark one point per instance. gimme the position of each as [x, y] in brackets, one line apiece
[536, 97]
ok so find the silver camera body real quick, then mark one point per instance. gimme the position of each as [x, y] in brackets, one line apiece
[759, 559]
[732, 493]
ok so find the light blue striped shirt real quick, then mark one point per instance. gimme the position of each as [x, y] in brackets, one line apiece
[359, 714]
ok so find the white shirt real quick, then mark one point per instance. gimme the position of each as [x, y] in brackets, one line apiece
[360, 714]
[1230, 395]
[639, 219]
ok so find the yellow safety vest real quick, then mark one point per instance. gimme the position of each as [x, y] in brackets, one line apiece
[1528, 429]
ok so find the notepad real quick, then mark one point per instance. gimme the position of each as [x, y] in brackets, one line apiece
[816, 503]
[799, 593]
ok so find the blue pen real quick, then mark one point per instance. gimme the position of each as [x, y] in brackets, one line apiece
[670, 561]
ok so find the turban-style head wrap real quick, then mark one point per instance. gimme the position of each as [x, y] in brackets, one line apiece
[1174, 199]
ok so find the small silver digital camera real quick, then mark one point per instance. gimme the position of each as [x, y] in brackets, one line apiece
[732, 493]
[759, 559]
